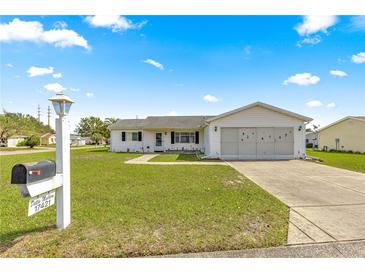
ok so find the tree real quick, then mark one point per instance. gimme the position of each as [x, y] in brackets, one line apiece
[21, 124]
[95, 128]
[107, 123]
[32, 141]
[92, 127]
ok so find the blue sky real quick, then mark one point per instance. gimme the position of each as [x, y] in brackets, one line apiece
[186, 65]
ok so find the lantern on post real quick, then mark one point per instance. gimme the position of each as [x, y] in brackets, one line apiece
[62, 104]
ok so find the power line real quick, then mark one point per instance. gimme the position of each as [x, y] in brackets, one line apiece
[49, 116]
[39, 113]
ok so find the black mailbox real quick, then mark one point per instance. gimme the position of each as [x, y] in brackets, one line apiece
[33, 172]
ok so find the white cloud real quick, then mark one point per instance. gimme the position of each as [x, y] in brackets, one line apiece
[358, 22]
[114, 22]
[309, 40]
[247, 51]
[153, 63]
[210, 98]
[331, 105]
[57, 75]
[74, 89]
[9, 65]
[338, 73]
[39, 71]
[55, 87]
[32, 31]
[89, 94]
[60, 25]
[302, 79]
[172, 113]
[313, 24]
[314, 103]
[358, 58]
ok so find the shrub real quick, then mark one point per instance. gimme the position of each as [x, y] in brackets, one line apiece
[309, 145]
[32, 141]
[21, 143]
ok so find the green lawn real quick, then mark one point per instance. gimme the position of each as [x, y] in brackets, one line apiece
[355, 162]
[174, 157]
[121, 210]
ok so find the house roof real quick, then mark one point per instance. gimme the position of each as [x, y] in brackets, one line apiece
[48, 134]
[161, 122]
[18, 136]
[359, 118]
[263, 105]
[185, 122]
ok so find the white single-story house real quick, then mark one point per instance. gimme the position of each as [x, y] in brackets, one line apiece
[256, 131]
[312, 138]
[77, 140]
[346, 134]
[13, 141]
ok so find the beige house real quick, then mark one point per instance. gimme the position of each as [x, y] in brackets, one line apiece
[345, 134]
[47, 139]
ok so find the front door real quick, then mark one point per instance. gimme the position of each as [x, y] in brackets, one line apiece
[158, 142]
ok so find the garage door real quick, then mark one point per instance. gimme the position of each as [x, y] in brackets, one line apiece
[257, 143]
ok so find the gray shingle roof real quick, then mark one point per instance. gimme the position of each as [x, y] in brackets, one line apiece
[161, 122]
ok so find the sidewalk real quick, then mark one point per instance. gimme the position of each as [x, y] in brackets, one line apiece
[348, 249]
[143, 160]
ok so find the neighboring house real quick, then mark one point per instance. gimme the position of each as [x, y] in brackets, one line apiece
[88, 140]
[345, 134]
[47, 139]
[255, 131]
[77, 140]
[15, 139]
[312, 138]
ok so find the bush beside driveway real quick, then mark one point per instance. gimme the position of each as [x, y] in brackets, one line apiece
[121, 210]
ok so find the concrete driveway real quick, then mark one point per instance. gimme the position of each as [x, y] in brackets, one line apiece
[326, 203]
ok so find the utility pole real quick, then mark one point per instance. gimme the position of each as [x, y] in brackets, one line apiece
[39, 113]
[49, 116]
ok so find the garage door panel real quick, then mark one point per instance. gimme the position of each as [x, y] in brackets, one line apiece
[247, 143]
[229, 134]
[284, 149]
[265, 135]
[229, 143]
[284, 134]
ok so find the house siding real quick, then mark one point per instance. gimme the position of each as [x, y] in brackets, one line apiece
[351, 134]
[256, 117]
[148, 141]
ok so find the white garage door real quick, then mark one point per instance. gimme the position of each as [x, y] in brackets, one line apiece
[257, 143]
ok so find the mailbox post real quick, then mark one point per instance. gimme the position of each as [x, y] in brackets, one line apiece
[62, 104]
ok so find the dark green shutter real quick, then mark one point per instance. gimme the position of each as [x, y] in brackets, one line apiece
[123, 136]
[172, 137]
[139, 136]
[196, 137]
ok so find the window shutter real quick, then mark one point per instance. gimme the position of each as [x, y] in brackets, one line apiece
[123, 136]
[172, 137]
[139, 136]
[196, 137]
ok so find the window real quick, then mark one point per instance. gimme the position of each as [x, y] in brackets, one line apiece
[184, 137]
[132, 136]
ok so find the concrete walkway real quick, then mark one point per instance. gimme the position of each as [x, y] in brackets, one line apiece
[350, 249]
[326, 203]
[143, 160]
[25, 151]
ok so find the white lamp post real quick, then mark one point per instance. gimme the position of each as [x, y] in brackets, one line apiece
[62, 104]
